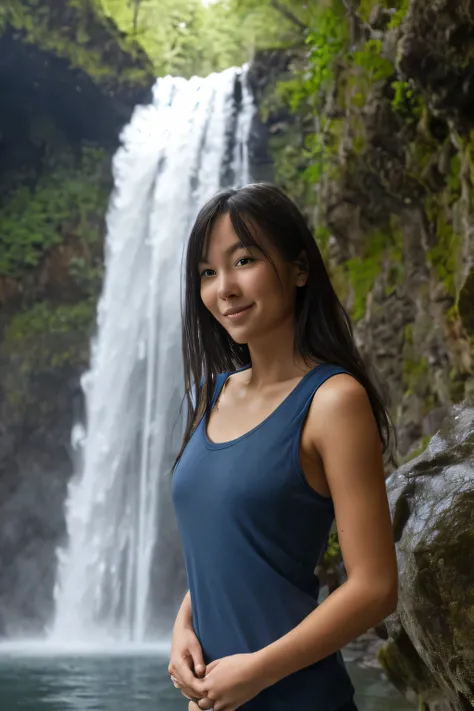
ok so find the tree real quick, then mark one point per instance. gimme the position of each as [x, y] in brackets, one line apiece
[185, 37]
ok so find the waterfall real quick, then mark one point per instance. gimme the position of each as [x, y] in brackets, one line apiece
[174, 155]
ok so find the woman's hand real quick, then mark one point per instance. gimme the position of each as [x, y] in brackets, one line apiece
[187, 663]
[230, 682]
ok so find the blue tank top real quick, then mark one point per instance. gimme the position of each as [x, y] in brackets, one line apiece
[252, 531]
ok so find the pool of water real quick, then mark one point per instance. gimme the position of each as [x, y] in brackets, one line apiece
[131, 683]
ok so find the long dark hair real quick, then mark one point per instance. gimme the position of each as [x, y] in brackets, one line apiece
[323, 328]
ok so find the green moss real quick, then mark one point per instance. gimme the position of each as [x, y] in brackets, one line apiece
[49, 336]
[369, 58]
[417, 450]
[415, 373]
[322, 236]
[362, 274]
[78, 30]
[408, 334]
[399, 15]
[453, 181]
[443, 256]
[466, 303]
[47, 340]
[403, 666]
[407, 101]
[68, 200]
[419, 158]
[305, 93]
[457, 384]
[380, 245]
[400, 7]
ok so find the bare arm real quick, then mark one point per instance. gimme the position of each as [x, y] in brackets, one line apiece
[186, 663]
[343, 432]
[184, 617]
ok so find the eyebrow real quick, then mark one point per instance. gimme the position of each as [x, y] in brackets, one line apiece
[228, 252]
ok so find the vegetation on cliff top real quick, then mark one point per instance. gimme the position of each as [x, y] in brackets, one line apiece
[79, 31]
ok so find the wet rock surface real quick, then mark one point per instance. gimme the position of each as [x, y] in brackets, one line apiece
[430, 652]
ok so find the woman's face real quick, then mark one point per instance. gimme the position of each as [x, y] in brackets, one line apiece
[249, 296]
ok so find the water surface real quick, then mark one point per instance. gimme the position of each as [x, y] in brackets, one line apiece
[132, 683]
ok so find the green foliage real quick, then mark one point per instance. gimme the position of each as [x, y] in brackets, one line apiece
[3, 18]
[333, 553]
[399, 7]
[188, 37]
[69, 199]
[377, 68]
[399, 15]
[306, 92]
[406, 100]
[78, 31]
[49, 336]
[326, 41]
[87, 276]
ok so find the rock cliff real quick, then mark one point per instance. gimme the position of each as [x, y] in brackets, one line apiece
[384, 171]
[375, 142]
[68, 83]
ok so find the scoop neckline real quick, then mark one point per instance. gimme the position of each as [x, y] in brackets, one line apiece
[228, 443]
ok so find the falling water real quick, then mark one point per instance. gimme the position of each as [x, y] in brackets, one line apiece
[175, 154]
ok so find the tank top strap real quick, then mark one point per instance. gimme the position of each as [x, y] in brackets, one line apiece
[307, 387]
[220, 380]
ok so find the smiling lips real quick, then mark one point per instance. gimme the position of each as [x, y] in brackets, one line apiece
[237, 313]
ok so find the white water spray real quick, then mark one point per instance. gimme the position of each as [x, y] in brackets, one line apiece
[171, 161]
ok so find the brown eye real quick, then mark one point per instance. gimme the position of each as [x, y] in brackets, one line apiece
[204, 274]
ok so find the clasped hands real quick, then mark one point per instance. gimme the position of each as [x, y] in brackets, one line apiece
[227, 683]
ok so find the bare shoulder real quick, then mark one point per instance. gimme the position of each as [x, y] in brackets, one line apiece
[340, 395]
[342, 430]
[341, 410]
[340, 389]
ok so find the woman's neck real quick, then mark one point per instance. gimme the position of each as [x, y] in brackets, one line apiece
[273, 361]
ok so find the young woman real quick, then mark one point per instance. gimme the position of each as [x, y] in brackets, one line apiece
[287, 432]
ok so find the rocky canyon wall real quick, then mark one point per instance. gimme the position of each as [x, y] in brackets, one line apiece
[68, 83]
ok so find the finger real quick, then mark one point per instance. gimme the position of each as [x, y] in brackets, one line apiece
[185, 677]
[192, 706]
[211, 666]
[189, 693]
[205, 704]
[198, 660]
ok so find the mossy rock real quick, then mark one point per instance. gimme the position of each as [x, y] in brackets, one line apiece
[80, 32]
[436, 51]
[47, 342]
[432, 503]
[466, 303]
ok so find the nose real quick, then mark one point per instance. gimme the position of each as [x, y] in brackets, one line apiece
[227, 285]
